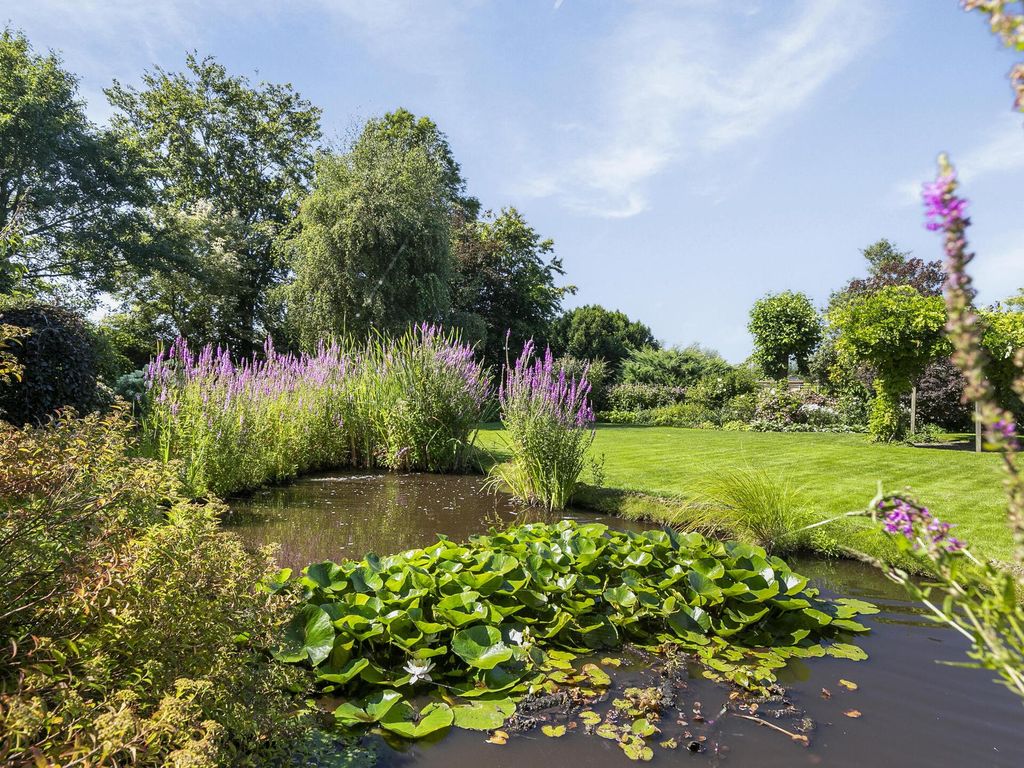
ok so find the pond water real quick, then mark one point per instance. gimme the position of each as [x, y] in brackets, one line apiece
[913, 711]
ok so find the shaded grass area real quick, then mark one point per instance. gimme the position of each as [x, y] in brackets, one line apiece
[658, 473]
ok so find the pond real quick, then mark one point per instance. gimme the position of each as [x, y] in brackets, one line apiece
[911, 710]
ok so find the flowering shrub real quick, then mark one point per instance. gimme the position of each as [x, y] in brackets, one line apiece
[407, 403]
[550, 428]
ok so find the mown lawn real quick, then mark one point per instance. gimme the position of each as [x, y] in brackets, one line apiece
[835, 473]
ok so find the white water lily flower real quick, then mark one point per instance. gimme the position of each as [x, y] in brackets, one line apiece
[419, 669]
[520, 638]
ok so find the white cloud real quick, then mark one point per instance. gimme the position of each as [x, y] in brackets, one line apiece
[677, 80]
[1000, 152]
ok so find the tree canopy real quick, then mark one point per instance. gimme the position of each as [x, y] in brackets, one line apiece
[784, 325]
[672, 367]
[898, 331]
[70, 193]
[592, 332]
[372, 248]
[506, 282]
[228, 162]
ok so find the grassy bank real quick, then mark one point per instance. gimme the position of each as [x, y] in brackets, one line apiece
[831, 473]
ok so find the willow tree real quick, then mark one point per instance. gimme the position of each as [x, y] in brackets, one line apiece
[372, 242]
[898, 332]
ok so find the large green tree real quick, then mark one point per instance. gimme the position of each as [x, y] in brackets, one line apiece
[229, 161]
[372, 241]
[897, 331]
[672, 367]
[592, 332]
[506, 282]
[784, 325]
[70, 193]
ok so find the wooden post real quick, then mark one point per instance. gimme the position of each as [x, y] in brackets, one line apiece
[913, 411]
[977, 429]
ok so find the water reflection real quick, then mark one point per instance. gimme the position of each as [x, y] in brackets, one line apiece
[339, 516]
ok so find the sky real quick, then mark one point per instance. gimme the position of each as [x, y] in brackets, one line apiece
[686, 156]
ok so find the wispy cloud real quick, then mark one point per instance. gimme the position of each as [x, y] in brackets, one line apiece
[675, 80]
[1000, 152]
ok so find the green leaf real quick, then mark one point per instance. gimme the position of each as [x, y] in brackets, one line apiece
[554, 731]
[846, 651]
[403, 720]
[481, 646]
[309, 635]
[483, 715]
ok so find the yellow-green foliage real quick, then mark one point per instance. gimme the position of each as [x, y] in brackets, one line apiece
[133, 627]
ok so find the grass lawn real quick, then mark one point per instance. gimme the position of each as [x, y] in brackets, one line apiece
[835, 473]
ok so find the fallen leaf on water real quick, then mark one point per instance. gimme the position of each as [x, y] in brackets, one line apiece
[852, 713]
[826, 693]
[848, 684]
[498, 737]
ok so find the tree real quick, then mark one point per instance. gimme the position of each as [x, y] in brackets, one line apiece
[672, 367]
[887, 265]
[239, 156]
[592, 332]
[784, 325]
[70, 193]
[898, 332]
[372, 243]
[506, 283]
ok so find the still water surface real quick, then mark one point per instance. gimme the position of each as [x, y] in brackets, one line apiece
[914, 711]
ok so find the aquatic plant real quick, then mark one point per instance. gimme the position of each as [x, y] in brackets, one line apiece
[477, 626]
[549, 422]
[413, 402]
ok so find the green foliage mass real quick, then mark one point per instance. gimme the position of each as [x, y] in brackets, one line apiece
[593, 332]
[227, 162]
[506, 283]
[897, 331]
[672, 367]
[69, 192]
[59, 363]
[494, 619]
[372, 248]
[784, 325]
[133, 629]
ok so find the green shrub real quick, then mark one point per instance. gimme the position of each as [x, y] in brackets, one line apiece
[59, 361]
[740, 408]
[642, 397]
[671, 367]
[714, 391]
[135, 630]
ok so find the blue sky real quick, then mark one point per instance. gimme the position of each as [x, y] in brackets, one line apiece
[687, 157]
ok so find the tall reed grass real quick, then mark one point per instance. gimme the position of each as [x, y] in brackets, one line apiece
[407, 403]
[549, 422]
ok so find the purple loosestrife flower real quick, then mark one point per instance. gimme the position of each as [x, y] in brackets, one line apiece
[917, 525]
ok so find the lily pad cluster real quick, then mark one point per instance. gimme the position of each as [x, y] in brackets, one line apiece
[472, 628]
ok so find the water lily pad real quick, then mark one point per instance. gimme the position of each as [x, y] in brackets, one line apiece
[309, 635]
[403, 720]
[554, 731]
[483, 715]
[481, 646]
